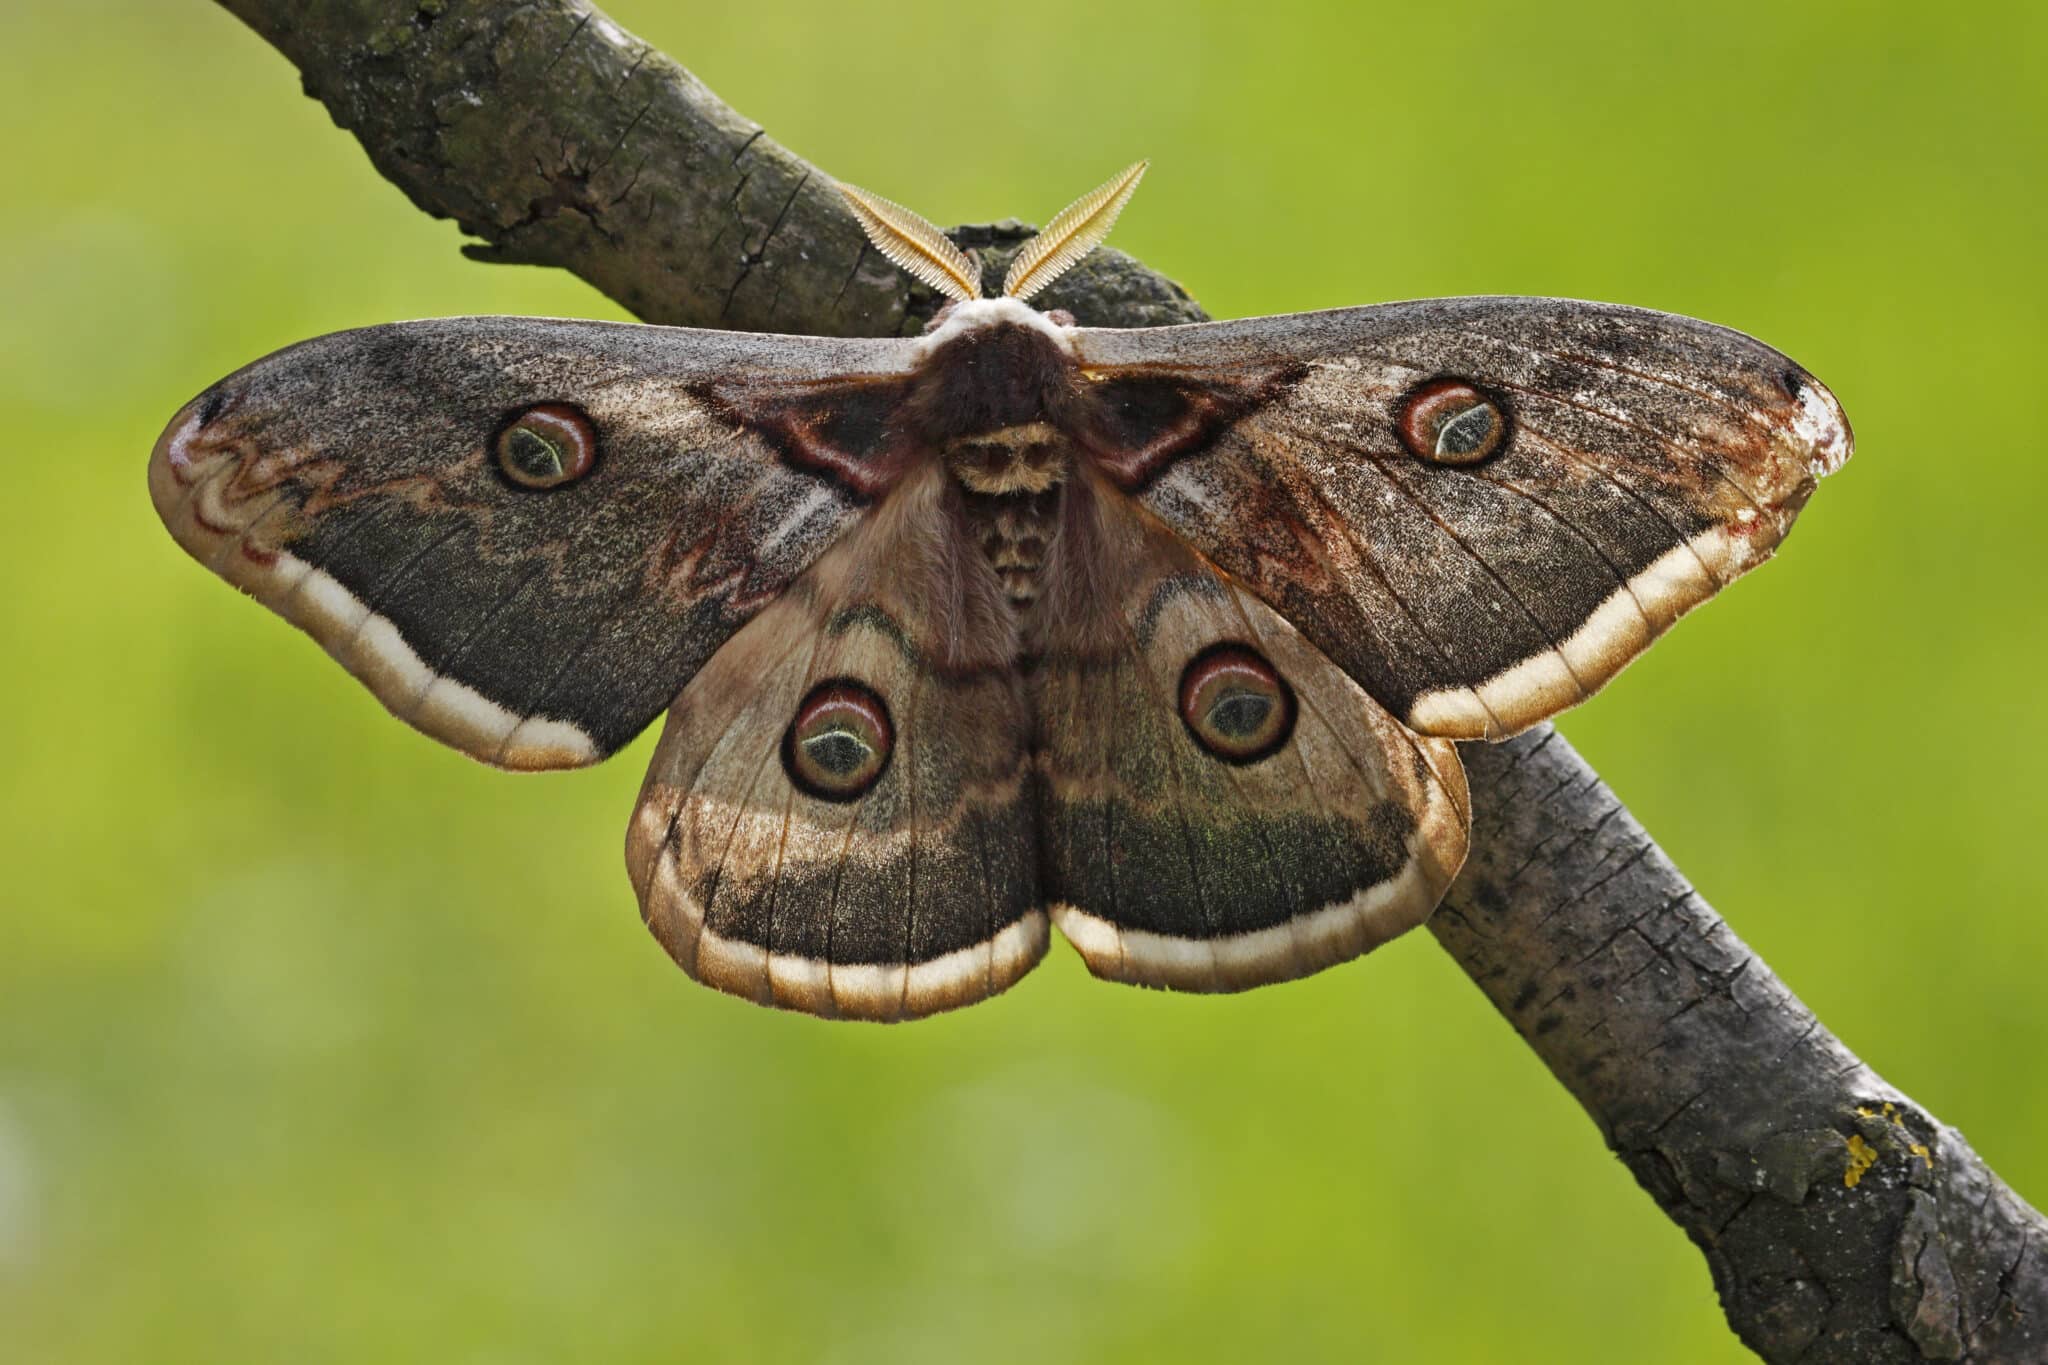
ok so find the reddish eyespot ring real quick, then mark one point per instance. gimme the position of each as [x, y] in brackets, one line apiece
[545, 446]
[1236, 704]
[840, 742]
[1448, 421]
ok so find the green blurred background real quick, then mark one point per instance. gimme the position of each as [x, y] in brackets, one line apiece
[319, 1042]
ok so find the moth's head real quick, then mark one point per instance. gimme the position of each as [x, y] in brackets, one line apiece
[923, 251]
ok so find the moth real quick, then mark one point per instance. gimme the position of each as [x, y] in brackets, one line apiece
[1165, 637]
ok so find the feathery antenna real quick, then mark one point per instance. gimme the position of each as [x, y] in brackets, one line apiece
[915, 245]
[1078, 230]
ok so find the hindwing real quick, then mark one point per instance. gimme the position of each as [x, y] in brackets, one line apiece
[1221, 806]
[838, 817]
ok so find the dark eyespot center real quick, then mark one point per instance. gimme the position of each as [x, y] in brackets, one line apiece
[839, 743]
[838, 751]
[1240, 713]
[546, 446]
[533, 456]
[1235, 704]
[1448, 421]
[1467, 431]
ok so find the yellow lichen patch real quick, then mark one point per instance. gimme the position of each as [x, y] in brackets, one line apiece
[1862, 1156]
[1920, 1149]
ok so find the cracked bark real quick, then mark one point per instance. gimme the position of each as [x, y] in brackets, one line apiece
[1840, 1221]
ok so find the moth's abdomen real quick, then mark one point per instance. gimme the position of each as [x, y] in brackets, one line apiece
[1013, 530]
[1011, 481]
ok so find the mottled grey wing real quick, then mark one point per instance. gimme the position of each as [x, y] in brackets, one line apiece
[839, 817]
[526, 535]
[1481, 509]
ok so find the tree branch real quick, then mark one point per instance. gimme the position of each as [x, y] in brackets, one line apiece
[560, 139]
[1841, 1221]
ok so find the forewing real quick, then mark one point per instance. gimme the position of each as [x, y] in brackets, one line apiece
[1210, 826]
[1642, 462]
[379, 489]
[905, 886]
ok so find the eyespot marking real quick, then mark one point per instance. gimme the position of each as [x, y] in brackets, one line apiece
[840, 741]
[1448, 421]
[546, 446]
[1236, 704]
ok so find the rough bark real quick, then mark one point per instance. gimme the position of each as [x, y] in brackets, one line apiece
[558, 138]
[1841, 1221]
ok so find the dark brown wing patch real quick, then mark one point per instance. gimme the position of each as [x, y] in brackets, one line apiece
[1136, 422]
[848, 429]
